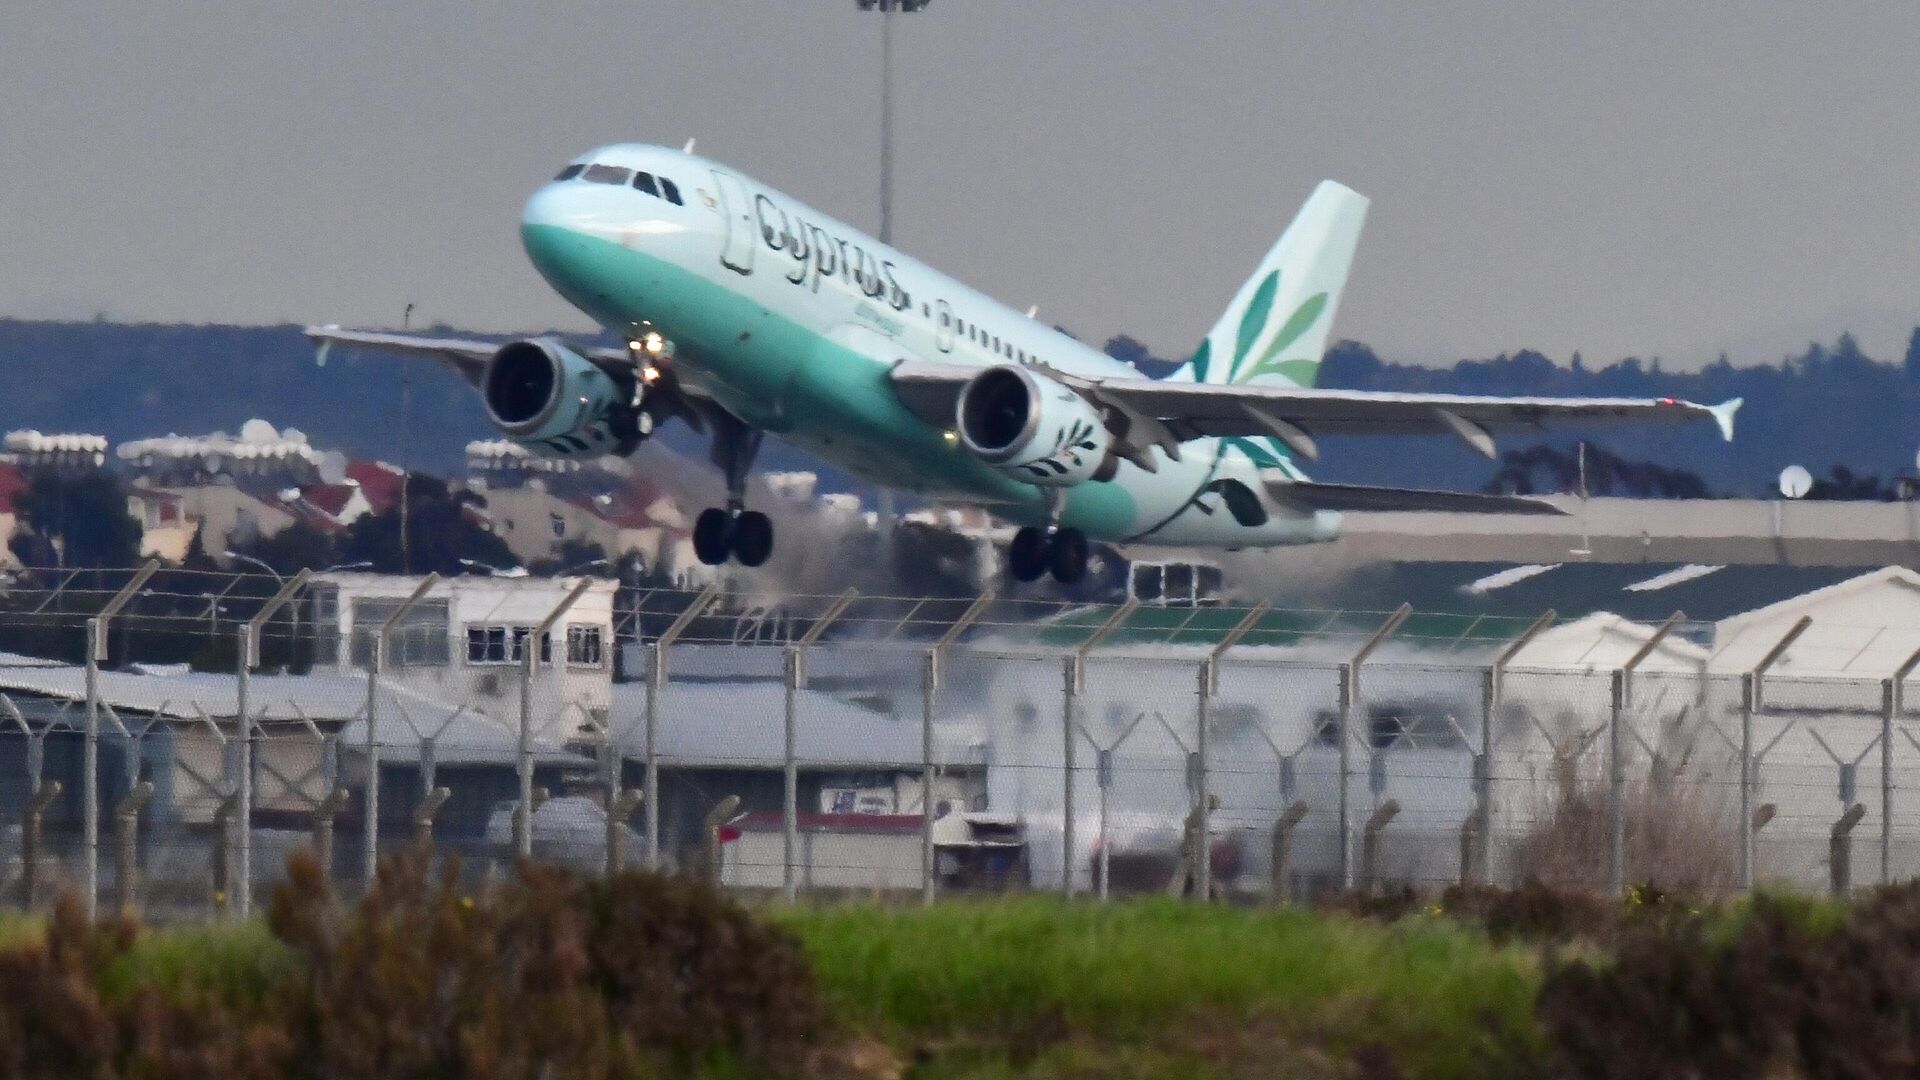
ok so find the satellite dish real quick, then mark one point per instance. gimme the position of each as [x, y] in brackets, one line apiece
[1795, 481]
[333, 468]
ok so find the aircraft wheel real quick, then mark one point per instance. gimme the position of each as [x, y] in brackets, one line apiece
[1069, 556]
[1027, 555]
[712, 535]
[752, 538]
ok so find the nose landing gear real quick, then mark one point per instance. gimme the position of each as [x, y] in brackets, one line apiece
[1036, 552]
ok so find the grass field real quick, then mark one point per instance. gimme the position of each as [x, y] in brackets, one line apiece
[1006, 984]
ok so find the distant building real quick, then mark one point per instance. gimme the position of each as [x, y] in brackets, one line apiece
[465, 640]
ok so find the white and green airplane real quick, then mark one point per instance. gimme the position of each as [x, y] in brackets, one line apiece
[747, 312]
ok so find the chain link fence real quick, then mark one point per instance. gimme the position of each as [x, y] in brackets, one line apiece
[162, 759]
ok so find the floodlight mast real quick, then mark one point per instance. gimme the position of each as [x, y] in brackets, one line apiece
[886, 8]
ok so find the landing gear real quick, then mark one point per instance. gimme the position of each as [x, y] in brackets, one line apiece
[746, 535]
[1035, 552]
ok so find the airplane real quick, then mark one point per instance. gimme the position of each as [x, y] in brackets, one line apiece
[748, 313]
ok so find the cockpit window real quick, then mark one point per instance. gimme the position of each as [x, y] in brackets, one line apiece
[644, 182]
[570, 172]
[671, 190]
[607, 174]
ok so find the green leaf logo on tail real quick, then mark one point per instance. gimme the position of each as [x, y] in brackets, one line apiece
[1300, 369]
[1201, 359]
[1254, 322]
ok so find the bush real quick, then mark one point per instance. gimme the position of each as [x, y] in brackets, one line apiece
[546, 976]
[1782, 991]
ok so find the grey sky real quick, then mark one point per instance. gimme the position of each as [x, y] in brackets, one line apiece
[1616, 178]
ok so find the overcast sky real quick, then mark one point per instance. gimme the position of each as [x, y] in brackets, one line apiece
[1618, 178]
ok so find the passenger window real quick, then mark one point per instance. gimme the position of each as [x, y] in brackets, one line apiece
[570, 172]
[608, 174]
[644, 181]
[671, 190]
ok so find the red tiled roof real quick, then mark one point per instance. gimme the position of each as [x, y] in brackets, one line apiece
[329, 498]
[12, 483]
[379, 481]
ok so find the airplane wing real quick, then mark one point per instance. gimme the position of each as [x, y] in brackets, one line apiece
[468, 357]
[1311, 495]
[1178, 411]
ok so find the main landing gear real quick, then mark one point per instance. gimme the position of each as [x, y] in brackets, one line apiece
[746, 535]
[1036, 552]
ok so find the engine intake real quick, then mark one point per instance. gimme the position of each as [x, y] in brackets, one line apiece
[555, 402]
[1033, 428]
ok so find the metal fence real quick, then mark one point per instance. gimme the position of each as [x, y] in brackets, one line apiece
[813, 747]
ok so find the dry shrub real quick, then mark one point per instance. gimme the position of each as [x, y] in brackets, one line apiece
[1535, 911]
[548, 976]
[1679, 833]
[551, 975]
[55, 1021]
[1782, 997]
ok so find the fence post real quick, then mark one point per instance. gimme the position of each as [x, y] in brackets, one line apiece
[97, 628]
[790, 764]
[1495, 691]
[530, 651]
[30, 838]
[622, 808]
[323, 815]
[656, 685]
[126, 848]
[1349, 696]
[1840, 849]
[930, 693]
[1074, 683]
[249, 659]
[1370, 843]
[1750, 705]
[1209, 686]
[1896, 701]
[1616, 756]
[1282, 853]
[712, 854]
[423, 816]
[223, 898]
[377, 667]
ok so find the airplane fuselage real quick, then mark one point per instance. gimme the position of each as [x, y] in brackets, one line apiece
[792, 320]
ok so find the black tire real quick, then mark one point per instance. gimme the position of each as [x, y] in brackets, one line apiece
[712, 536]
[1027, 555]
[1069, 556]
[752, 538]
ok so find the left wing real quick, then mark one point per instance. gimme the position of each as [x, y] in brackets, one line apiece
[1177, 411]
[468, 357]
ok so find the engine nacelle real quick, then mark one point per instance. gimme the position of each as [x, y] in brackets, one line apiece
[557, 403]
[1034, 429]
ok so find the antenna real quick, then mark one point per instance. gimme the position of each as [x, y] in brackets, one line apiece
[688, 149]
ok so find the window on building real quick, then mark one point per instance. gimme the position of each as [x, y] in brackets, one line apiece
[671, 190]
[608, 174]
[497, 644]
[644, 182]
[570, 172]
[584, 646]
[420, 638]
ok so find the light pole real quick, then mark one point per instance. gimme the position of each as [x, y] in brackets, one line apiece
[886, 8]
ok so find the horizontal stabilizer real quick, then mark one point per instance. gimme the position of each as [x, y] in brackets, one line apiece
[1316, 496]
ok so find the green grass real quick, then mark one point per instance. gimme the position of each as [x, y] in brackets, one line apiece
[1166, 975]
[236, 963]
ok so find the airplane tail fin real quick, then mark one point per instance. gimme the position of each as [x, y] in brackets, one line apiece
[1275, 331]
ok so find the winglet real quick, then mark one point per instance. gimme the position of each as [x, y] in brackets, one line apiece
[1723, 415]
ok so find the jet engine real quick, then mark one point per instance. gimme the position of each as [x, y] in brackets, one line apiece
[557, 403]
[1032, 428]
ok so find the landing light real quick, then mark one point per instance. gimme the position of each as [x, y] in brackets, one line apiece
[650, 374]
[655, 344]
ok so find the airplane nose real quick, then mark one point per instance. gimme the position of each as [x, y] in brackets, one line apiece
[548, 207]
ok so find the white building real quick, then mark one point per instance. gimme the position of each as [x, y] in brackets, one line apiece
[464, 641]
